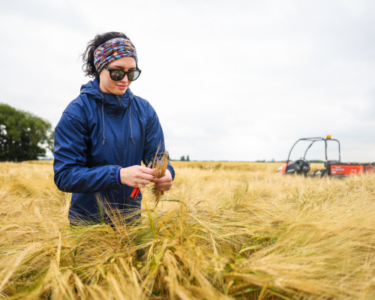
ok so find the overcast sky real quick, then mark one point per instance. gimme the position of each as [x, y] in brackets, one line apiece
[230, 80]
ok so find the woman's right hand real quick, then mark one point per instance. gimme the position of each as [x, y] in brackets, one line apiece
[137, 176]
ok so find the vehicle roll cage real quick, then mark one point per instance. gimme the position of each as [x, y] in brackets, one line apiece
[313, 140]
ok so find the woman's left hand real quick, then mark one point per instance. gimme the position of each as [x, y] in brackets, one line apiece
[163, 183]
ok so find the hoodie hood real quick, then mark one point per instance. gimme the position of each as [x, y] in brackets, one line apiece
[113, 104]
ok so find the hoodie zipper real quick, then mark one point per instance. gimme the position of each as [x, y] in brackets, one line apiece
[122, 196]
[118, 123]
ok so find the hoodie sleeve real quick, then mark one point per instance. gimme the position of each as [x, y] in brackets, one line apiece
[154, 139]
[71, 174]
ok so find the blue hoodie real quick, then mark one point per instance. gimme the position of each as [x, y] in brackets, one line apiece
[98, 134]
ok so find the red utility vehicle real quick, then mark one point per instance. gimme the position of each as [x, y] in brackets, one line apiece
[334, 168]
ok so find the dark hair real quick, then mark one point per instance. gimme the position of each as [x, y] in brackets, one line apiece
[88, 56]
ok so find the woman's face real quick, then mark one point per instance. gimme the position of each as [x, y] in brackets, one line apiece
[107, 85]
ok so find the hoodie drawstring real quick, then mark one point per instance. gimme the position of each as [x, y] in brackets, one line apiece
[130, 118]
[103, 117]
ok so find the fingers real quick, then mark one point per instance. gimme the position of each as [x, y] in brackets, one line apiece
[142, 183]
[145, 173]
[160, 180]
[143, 176]
[164, 183]
[137, 176]
[149, 171]
[164, 186]
[166, 178]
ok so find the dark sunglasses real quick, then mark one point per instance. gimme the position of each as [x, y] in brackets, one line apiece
[117, 75]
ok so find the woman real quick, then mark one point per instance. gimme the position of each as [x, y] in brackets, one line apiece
[105, 133]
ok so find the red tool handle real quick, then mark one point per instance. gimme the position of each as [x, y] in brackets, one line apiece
[134, 194]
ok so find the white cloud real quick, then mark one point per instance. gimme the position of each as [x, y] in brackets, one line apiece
[238, 80]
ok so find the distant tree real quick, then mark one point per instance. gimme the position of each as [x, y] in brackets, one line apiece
[23, 136]
[182, 158]
[187, 158]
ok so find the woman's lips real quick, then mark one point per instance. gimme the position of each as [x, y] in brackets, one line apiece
[122, 87]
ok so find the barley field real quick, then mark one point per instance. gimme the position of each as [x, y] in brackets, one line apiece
[224, 231]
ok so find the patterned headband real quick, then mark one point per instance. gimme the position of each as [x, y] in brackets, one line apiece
[112, 50]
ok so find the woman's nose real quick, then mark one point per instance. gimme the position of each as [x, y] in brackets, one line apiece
[125, 79]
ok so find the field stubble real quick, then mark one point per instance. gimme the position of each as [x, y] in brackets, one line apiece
[224, 231]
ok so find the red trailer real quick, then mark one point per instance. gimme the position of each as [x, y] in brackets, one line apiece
[334, 168]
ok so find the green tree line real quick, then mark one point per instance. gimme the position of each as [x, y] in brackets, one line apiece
[185, 159]
[23, 136]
